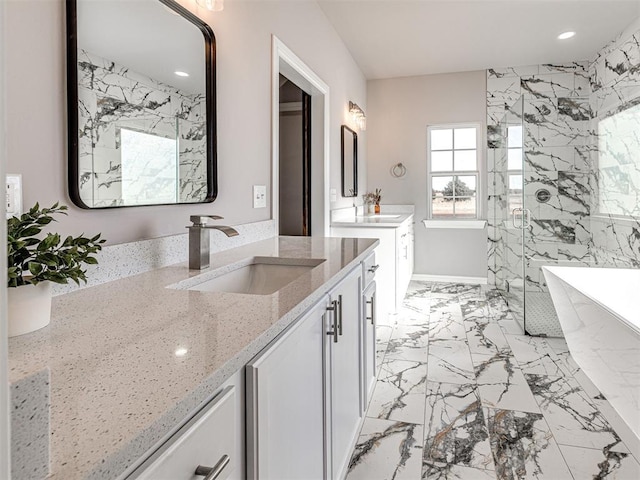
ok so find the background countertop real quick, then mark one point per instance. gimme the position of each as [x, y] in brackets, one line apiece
[385, 220]
[107, 368]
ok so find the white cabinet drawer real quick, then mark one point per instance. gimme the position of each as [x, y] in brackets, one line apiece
[369, 268]
[205, 440]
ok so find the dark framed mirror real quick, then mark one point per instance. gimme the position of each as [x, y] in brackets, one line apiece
[349, 145]
[141, 103]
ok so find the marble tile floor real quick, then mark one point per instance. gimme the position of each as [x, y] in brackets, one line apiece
[462, 394]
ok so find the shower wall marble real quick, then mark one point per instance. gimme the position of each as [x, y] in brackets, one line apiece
[615, 103]
[112, 97]
[556, 151]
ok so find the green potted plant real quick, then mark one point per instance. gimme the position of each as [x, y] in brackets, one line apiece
[33, 263]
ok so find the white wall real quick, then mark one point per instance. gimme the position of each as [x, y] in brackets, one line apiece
[4, 381]
[35, 63]
[399, 111]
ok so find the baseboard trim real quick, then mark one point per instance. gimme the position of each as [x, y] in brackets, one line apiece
[448, 279]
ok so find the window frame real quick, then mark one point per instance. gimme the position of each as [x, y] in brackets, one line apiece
[479, 172]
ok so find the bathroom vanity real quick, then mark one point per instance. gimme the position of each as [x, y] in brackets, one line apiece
[149, 376]
[394, 228]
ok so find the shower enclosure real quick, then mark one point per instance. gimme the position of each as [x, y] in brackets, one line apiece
[541, 203]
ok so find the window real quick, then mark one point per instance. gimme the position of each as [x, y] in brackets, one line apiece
[514, 166]
[149, 166]
[453, 171]
[619, 164]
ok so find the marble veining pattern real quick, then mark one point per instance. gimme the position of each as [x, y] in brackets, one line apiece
[496, 404]
[555, 150]
[114, 100]
[580, 143]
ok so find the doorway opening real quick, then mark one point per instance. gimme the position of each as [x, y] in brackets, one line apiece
[310, 181]
[294, 214]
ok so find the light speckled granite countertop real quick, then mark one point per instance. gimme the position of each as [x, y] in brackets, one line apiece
[385, 220]
[116, 386]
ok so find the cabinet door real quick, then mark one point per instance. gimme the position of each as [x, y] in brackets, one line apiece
[411, 242]
[286, 404]
[369, 343]
[346, 368]
[386, 274]
[403, 260]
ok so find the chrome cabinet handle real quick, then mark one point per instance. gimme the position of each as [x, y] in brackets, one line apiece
[339, 314]
[334, 308]
[373, 268]
[211, 473]
[372, 302]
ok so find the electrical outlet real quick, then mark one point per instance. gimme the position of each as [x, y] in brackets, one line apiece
[14, 195]
[259, 196]
[334, 195]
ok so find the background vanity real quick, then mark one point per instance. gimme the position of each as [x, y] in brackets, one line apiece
[394, 228]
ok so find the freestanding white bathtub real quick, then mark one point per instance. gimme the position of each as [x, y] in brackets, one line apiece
[599, 311]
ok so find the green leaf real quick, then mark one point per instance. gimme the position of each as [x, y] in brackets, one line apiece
[31, 231]
[44, 257]
[35, 268]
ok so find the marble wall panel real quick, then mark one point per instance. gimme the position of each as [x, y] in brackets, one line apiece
[557, 156]
[110, 95]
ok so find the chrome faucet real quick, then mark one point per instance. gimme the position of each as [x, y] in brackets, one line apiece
[199, 239]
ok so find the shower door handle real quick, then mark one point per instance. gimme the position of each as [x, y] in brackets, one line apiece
[514, 216]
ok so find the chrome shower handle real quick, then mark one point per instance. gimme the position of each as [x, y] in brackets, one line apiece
[513, 218]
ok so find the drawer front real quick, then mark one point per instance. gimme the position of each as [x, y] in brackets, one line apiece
[369, 266]
[209, 440]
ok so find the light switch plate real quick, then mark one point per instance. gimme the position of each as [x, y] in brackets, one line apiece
[334, 195]
[259, 196]
[14, 195]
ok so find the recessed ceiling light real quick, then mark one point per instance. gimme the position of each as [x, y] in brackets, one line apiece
[180, 352]
[565, 35]
[181, 74]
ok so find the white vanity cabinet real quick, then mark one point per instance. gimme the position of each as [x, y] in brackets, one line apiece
[346, 370]
[369, 344]
[304, 403]
[286, 403]
[404, 261]
[394, 256]
[304, 392]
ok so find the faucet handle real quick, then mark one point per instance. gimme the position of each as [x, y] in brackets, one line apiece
[201, 220]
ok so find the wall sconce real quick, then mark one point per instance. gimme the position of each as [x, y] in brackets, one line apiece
[211, 5]
[358, 116]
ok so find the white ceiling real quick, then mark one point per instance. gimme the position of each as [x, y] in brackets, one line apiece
[395, 38]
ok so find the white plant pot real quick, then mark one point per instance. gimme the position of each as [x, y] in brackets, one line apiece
[29, 308]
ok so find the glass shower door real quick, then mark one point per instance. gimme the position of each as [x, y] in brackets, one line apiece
[515, 216]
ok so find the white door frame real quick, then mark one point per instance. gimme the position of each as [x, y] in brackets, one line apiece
[5, 419]
[284, 61]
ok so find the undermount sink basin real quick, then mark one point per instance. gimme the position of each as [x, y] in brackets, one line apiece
[379, 215]
[262, 276]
